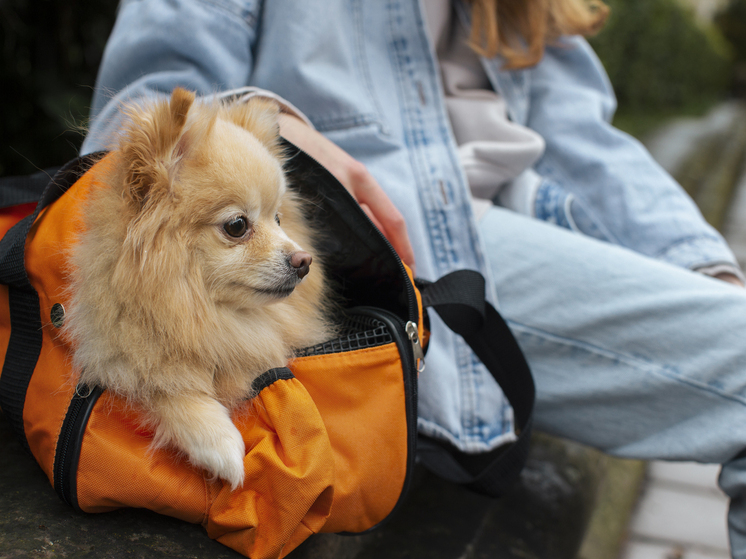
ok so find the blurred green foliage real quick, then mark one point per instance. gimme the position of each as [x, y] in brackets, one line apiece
[659, 58]
[51, 50]
[732, 22]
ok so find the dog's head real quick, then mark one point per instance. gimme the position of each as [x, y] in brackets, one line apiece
[208, 197]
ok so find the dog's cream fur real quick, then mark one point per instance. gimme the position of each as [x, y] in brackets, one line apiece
[168, 308]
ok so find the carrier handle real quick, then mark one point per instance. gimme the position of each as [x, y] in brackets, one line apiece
[459, 300]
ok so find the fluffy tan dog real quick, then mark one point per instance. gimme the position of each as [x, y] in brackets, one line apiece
[186, 283]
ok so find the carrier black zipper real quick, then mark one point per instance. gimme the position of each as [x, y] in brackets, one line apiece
[398, 329]
[69, 443]
[412, 308]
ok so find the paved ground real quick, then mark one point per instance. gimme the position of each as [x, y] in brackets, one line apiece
[681, 515]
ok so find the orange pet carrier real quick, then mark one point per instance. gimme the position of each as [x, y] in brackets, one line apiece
[330, 441]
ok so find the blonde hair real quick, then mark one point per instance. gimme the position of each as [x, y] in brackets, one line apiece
[518, 30]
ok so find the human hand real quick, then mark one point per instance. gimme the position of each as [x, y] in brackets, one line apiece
[356, 179]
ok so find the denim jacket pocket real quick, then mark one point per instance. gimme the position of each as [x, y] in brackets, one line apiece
[555, 205]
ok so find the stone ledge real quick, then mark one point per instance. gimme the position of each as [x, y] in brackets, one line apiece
[545, 517]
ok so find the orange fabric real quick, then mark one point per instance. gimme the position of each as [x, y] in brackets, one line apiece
[4, 321]
[326, 451]
[289, 473]
[117, 469]
[289, 469]
[360, 395]
[52, 385]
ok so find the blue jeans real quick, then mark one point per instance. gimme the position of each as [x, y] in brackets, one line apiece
[633, 356]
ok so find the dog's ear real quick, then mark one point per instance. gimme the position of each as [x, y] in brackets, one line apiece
[260, 117]
[154, 144]
[174, 136]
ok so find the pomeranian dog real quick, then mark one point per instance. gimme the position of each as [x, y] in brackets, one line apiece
[192, 275]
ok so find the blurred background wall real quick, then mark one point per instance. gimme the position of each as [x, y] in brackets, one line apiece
[665, 58]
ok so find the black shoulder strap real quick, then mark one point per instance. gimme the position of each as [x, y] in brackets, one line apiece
[459, 300]
[25, 341]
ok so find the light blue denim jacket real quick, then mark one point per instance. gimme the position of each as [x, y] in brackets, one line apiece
[366, 76]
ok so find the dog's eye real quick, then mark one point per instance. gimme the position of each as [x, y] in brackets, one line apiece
[277, 218]
[237, 226]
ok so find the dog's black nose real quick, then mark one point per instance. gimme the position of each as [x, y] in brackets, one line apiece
[301, 262]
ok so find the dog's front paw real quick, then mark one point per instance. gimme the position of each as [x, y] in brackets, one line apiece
[222, 456]
[201, 428]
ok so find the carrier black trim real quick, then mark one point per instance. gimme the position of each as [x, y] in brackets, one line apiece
[270, 377]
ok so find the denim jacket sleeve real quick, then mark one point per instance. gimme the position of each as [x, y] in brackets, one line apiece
[156, 45]
[570, 103]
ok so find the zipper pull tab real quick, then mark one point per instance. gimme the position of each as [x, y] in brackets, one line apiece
[414, 338]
